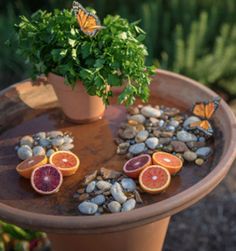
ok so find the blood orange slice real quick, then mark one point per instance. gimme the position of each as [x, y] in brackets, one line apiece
[154, 179]
[134, 166]
[26, 167]
[171, 162]
[46, 179]
[67, 162]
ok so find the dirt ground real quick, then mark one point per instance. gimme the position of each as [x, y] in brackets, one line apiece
[210, 225]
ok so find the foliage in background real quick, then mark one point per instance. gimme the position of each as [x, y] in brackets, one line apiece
[195, 38]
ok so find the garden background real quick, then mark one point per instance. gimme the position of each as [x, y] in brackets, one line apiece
[196, 38]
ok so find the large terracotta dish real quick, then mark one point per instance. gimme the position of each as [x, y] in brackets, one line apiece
[27, 108]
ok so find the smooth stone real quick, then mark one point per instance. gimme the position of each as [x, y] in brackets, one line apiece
[195, 144]
[24, 152]
[179, 146]
[128, 133]
[99, 199]
[68, 140]
[141, 136]
[170, 128]
[83, 197]
[44, 142]
[54, 134]
[128, 184]
[154, 121]
[199, 162]
[201, 139]
[128, 205]
[156, 133]
[139, 118]
[137, 148]
[58, 141]
[149, 111]
[88, 208]
[138, 197]
[27, 140]
[90, 177]
[38, 150]
[204, 152]
[114, 207]
[90, 187]
[161, 123]
[186, 136]
[103, 185]
[164, 141]
[174, 123]
[109, 174]
[152, 142]
[40, 135]
[66, 147]
[190, 156]
[190, 120]
[117, 193]
[167, 134]
[50, 152]
[133, 110]
[123, 148]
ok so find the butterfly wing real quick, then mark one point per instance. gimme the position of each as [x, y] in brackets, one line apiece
[203, 125]
[211, 107]
[199, 109]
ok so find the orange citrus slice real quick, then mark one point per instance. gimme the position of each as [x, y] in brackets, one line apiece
[46, 179]
[67, 162]
[172, 163]
[154, 179]
[26, 167]
[134, 166]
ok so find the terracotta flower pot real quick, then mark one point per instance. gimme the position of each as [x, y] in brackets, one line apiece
[77, 105]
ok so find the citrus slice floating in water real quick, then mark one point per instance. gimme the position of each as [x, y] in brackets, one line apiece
[67, 162]
[172, 163]
[46, 179]
[26, 167]
[134, 166]
[154, 179]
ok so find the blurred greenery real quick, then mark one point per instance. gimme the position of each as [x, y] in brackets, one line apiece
[196, 38]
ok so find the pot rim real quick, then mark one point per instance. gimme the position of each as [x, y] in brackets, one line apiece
[140, 216]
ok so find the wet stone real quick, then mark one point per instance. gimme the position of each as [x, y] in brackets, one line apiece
[137, 148]
[99, 199]
[128, 205]
[38, 150]
[27, 140]
[40, 135]
[88, 208]
[128, 133]
[149, 111]
[109, 174]
[90, 177]
[138, 197]
[204, 152]
[54, 134]
[114, 207]
[164, 141]
[199, 162]
[157, 133]
[44, 142]
[128, 184]
[90, 187]
[58, 141]
[123, 148]
[139, 118]
[50, 152]
[190, 156]
[133, 110]
[24, 152]
[117, 193]
[186, 136]
[141, 136]
[167, 134]
[152, 142]
[103, 185]
[83, 197]
[179, 146]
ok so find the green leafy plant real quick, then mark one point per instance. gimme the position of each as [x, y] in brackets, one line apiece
[53, 42]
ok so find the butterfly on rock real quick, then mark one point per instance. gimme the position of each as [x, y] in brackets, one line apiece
[88, 22]
[205, 111]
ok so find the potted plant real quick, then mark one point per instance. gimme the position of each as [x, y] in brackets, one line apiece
[83, 69]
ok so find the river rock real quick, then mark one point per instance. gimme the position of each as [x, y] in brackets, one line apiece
[24, 152]
[99, 199]
[123, 148]
[88, 208]
[27, 140]
[186, 136]
[139, 118]
[152, 142]
[204, 152]
[66, 147]
[179, 146]
[128, 133]
[133, 110]
[44, 142]
[161, 123]
[164, 141]
[137, 148]
[199, 161]
[128, 205]
[190, 120]
[195, 144]
[50, 152]
[167, 134]
[58, 141]
[54, 134]
[114, 207]
[109, 174]
[190, 156]
[149, 111]
[90, 187]
[141, 136]
[174, 123]
[138, 197]
[117, 193]
[128, 184]
[156, 133]
[40, 135]
[67, 139]
[103, 185]
[90, 177]
[39, 150]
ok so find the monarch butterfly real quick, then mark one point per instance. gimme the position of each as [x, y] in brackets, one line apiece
[205, 111]
[88, 22]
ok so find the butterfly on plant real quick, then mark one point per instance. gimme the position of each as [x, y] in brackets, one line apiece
[88, 22]
[205, 111]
